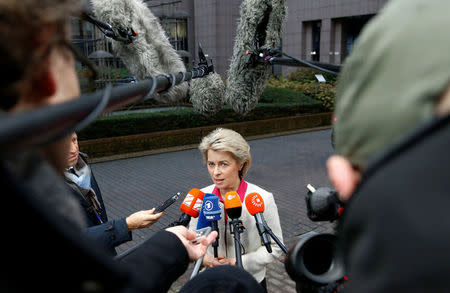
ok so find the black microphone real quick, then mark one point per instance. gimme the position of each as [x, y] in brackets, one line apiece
[150, 53]
[255, 206]
[259, 28]
[233, 207]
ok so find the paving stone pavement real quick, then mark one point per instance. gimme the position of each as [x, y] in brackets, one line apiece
[283, 165]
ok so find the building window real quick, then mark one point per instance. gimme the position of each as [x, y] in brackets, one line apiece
[176, 30]
[315, 53]
[83, 36]
[351, 29]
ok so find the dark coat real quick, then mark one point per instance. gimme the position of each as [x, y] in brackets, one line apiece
[45, 251]
[108, 234]
[394, 232]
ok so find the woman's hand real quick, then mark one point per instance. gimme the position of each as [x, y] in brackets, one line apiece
[227, 261]
[211, 261]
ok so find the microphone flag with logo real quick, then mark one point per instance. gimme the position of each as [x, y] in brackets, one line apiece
[190, 206]
[212, 213]
[233, 205]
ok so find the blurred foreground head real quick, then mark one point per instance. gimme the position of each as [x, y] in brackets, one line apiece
[223, 279]
[37, 64]
[30, 30]
[396, 75]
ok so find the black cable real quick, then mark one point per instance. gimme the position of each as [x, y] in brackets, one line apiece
[96, 111]
[91, 116]
[150, 92]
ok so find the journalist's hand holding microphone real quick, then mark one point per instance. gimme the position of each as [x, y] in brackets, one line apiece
[195, 250]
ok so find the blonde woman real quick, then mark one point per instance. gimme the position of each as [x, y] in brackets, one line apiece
[227, 157]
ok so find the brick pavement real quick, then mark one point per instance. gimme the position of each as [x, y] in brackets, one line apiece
[283, 165]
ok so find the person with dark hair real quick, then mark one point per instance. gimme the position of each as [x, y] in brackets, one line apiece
[109, 233]
[391, 141]
[46, 248]
[223, 279]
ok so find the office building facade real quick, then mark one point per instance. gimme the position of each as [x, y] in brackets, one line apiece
[314, 30]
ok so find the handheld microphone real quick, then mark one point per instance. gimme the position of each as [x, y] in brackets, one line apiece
[202, 222]
[150, 53]
[255, 206]
[212, 213]
[259, 28]
[208, 217]
[191, 206]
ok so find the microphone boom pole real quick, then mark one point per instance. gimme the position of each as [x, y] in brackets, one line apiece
[45, 124]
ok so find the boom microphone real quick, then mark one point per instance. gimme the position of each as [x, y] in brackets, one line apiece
[191, 206]
[206, 94]
[255, 206]
[150, 53]
[259, 28]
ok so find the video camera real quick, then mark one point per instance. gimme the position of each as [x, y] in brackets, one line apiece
[313, 262]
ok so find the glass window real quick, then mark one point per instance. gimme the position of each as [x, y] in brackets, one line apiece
[176, 30]
[316, 26]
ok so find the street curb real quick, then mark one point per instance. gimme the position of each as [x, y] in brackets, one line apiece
[114, 148]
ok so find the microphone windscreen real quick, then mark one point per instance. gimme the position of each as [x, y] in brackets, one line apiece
[254, 203]
[207, 93]
[192, 203]
[211, 208]
[202, 221]
[233, 205]
[232, 200]
[260, 27]
[150, 53]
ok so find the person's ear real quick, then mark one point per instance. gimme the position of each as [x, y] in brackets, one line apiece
[343, 176]
[44, 83]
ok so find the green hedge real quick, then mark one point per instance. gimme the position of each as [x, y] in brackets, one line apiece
[274, 102]
[304, 81]
[307, 74]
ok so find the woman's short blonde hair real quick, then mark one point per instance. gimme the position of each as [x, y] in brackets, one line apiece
[227, 140]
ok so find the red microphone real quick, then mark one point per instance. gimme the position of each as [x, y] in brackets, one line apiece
[191, 206]
[255, 206]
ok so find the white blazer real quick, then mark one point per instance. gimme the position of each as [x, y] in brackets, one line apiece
[255, 257]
